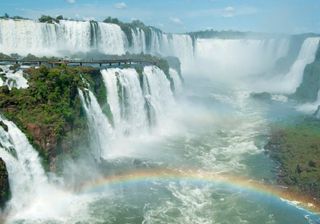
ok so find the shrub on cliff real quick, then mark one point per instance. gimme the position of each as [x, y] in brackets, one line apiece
[49, 109]
[49, 19]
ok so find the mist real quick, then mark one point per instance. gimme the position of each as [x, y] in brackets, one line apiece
[147, 126]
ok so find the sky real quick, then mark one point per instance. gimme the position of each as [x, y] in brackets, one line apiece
[178, 16]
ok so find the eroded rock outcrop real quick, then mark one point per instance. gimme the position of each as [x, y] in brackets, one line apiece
[4, 184]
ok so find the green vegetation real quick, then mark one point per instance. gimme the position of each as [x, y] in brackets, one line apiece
[49, 108]
[297, 149]
[163, 63]
[6, 16]
[31, 57]
[4, 56]
[49, 19]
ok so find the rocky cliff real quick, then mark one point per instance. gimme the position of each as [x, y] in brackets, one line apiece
[49, 111]
[310, 85]
[4, 184]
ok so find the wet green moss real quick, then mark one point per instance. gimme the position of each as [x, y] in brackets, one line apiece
[49, 110]
[297, 150]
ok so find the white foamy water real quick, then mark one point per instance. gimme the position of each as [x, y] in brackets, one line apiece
[67, 37]
[138, 41]
[161, 96]
[219, 136]
[238, 57]
[100, 129]
[293, 79]
[34, 198]
[178, 85]
[13, 78]
[126, 99]
[26, 36]
[288, 83]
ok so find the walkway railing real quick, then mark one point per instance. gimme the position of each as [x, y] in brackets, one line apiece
[109, 62]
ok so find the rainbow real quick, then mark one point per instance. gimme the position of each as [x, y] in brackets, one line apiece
[203, 177]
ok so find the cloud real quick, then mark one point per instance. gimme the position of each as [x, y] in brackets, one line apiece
[227, 12]
[71, 1]
[86, 11]
[120, 5]
[176, 20]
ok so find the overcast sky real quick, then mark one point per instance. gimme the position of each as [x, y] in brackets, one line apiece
[288, 16]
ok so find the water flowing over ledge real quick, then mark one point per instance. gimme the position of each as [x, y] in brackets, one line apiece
[134, 103]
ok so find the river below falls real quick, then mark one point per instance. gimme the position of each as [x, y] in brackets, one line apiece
[214, 130]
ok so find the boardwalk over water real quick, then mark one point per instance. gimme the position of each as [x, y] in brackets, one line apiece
[101, 63]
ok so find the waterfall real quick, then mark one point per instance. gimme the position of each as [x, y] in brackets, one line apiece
[138, 41]
[177, 80]
[100, 129]
[126, 99]
[181, 46]
[137, 100]
[67, 37]
[34, 198]
[161, 96]
[155, 47]
[112, 40]
[12, 78]
[307, 54]
[75, 35]
[26, 174]
[239, 56]
[178, 45]
[26, 36]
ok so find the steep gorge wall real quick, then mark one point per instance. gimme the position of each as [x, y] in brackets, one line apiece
[5, 192]
[308, 91]
[53, 115]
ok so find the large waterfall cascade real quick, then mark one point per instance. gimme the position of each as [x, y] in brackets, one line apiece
[100, 128]
[307, 55]
[69, 37]
[239, 56]
[43, 39]
[132, 98]
[26, 174]
[137, 102]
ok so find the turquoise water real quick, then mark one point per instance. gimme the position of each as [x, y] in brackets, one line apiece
[212, 129]
[218, 131]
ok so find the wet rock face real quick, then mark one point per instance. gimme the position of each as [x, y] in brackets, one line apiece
[4, 126]
[4, 184]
